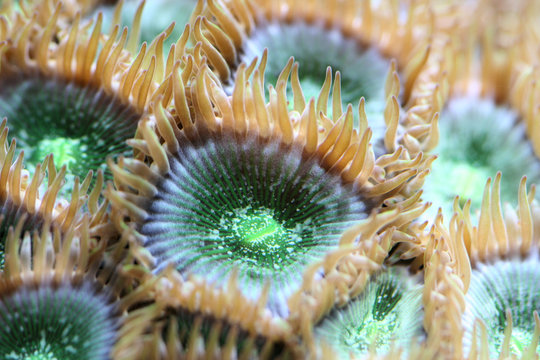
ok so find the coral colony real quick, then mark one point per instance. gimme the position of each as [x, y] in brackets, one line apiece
[254, 179]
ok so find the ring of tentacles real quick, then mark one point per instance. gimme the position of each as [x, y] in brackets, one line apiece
[255, 205]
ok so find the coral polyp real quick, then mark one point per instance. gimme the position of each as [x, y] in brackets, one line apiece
[361, 72]
[490, 108]
[22, 206]
[85, 336]
[154, 17]
[387, 313]
[252, 205]
[259, 191]
[494, 266]
[358, 304]
[74, 93]
[225, 323]
[57, 299]
[487, 138]
[78, 125]
[509, 293]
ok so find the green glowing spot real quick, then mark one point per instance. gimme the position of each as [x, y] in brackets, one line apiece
[378, 325]
[520, 340]
[65, 151]
[256, 236]
[371, 332]
[389, 310]
[451, 178]
[257, 228]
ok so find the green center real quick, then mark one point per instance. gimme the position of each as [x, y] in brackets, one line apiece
[65, 151]
[521, 338]
[372, 332]
[255, 235]
[257, 229]
[451, 178]
[377, 326]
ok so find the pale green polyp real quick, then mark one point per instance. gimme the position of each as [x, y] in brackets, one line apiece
[512, 284]
[371, 331]
[65, 152]
[58, 321]
[389, 311]
[478, 138]
[363, 69]
[453, 178]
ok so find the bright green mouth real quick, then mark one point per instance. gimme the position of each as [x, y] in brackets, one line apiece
[65, 151]
[259, 237]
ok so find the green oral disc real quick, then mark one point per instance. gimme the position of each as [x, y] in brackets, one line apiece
[257, 207]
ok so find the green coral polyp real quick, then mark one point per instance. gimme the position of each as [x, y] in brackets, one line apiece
[387, 312]
[253, 205]
[478, 139]
[463, 179]
[79, 125]
[61, 322]
[257, 227]
[520, 340]
[503, 285]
